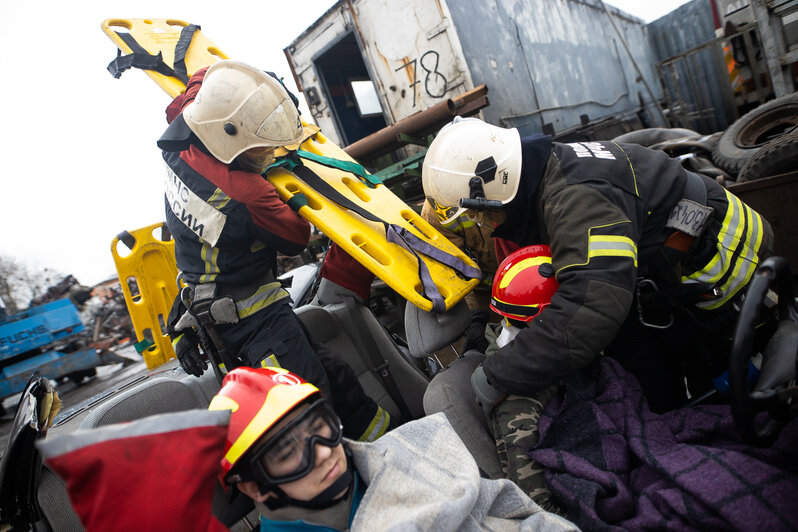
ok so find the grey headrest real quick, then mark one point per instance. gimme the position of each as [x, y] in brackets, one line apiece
[428, 332]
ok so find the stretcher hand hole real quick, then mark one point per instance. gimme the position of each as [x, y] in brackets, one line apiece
[313, 202]
[371, 249]
[357, 188]
[419, 223]
[176, 23]
[121, 26]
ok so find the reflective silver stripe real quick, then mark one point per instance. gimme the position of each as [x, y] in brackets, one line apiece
[209, 256]
[744, 265]
[728, 236]
[270, 362]
[460, 223]
[219, 199]
[377, 427]
[611, 246]
[263, 297]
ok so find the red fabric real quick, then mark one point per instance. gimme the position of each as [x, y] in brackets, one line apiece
[340, 268]
[187, 96]
[265, 207]
[504, 248]
[152, 482]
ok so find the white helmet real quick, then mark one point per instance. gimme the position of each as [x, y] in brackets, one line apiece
[465, 149]
[239, 107]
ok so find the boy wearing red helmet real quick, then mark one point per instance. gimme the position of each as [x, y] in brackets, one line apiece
[285, 451]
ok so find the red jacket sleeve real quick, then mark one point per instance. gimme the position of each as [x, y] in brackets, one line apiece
[187, 96]
[340, 268]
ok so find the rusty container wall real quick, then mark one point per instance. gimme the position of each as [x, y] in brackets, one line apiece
[698, 79]
[553, 61]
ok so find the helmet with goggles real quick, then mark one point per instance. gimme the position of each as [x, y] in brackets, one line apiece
[276, 421]
[524, 284]
[471, 165]
[239, 108]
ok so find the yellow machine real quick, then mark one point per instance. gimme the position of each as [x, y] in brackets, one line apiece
[364, 239]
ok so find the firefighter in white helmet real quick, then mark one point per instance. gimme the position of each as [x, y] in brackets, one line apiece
[228, 225]
[651, 258]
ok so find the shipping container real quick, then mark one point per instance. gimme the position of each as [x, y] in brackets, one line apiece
[551, 66]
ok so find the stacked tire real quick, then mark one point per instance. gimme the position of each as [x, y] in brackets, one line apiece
[761, 143]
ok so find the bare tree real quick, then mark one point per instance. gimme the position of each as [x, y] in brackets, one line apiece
[19, 283]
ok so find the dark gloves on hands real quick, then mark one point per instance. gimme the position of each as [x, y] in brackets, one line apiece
[475, 334]
[187, 350]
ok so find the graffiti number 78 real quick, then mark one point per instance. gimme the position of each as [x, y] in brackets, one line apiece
[435, 83]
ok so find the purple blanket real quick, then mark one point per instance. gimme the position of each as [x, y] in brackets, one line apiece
[615, 465]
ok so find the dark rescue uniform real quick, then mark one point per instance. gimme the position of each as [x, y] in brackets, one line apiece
[603, 209]
[228, 225]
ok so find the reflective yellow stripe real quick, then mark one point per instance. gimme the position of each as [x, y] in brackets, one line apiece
[611, 246]
[265, 296]
[219, 199]
[256, 246]
[729, 238]
[174, 342]
[279, 401]
[597, 238]
[377, 427]
[270, 362]
[521, 266]
[460, 223]
[209, 256]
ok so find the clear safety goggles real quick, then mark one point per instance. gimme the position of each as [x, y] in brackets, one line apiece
[445, 214]
[256, 160]
[290, 454]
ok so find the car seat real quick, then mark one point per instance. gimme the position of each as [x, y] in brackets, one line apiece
[450, 390]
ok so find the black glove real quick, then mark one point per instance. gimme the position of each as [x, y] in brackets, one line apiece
[187, 350]
[475, 334]
[485, 394]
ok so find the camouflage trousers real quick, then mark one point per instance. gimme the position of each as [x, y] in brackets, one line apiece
[515, 427]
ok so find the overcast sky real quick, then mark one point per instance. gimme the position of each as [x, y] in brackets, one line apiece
[79, 162]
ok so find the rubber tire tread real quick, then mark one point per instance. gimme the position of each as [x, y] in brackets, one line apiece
[776, 157]
[727, 155]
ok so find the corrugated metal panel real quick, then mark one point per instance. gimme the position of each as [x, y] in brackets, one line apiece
[700, 79]
[550, 61]
[544, 61]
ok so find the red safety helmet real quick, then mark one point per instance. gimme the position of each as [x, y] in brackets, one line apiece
[258, 398]
[524, 284]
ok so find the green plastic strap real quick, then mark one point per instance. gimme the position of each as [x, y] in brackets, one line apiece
[287, 162]
[347, 166]
[297, 201]
[143, 345]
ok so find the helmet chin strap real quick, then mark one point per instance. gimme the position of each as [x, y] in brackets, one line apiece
[323, 500]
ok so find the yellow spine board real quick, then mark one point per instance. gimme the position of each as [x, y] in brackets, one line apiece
[161, 35]
[363, 240]
[151, 267]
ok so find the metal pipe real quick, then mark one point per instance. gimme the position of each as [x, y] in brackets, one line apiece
[419, 124]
